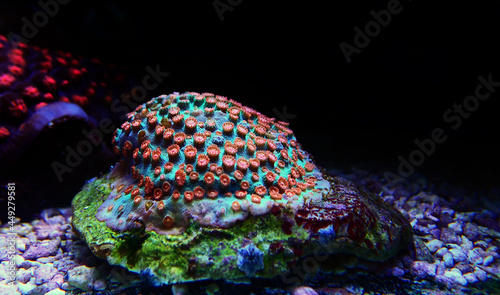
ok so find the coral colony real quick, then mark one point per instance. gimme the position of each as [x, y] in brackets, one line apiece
[39, 88]
[209, 188]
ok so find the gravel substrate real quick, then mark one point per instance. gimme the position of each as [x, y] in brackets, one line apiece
[456, 243]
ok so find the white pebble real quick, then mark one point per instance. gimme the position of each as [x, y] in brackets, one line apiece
[480, 274]
[456, 270]
[434, 245]
[458, 255]
[441, 268]
[470, 277]
[26, 288]
[493, 251]
[18, 260]
[56, 291]
[487, 260]
[448, 260]
[20, 245]
[466, 243]
[455, 277]
[475, 256]
[456, 227]
[441, 252]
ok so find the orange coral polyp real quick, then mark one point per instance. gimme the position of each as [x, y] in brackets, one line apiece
[260, 130]
[245, 185]
[209, 178]
[176, 195]
[159, 130]
[191, 123]
[179, 138]
[255, 199]
[190, 152]
[239, 143]
[188, 196]
[261, 156]
[240, 194]
[254, 164]
[157, 171]
[180, 177]
[238, 175]
[202, 162]
[230, 148]
[235, 206]
[228, 127]
[199, 139]
[194, 176]
[157, 194]
[168, 134]
[212, 194]
[260, 142]
[173, 150]
[241, 130]
[213, 151]
[242, 164]
[199, 192]
[168, 167]
[270, 177]
[225, 180]
[228, 162]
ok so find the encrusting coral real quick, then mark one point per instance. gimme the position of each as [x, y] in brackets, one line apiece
[209, 188]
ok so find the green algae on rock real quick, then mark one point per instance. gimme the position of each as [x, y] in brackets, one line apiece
[209, 189]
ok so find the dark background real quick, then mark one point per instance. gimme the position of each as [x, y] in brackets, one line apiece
[275, 55]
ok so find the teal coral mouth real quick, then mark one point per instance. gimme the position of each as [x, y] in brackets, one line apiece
[209, 189]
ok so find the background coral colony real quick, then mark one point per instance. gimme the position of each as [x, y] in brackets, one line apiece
[399, 97]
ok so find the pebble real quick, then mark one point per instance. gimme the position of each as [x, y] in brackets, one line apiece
[100, 285]
[455, 277]
[448, 236]
[398, 272]
[471, 231]
[487, 260]
[458, 255]
[81, 277]
[480, 274]
[44, 274]
[466, 243]
[423, 269]
[470, 277]
[434, 245]
[456, 227]
[56, 291]
[448, 260]
[441, 252]
[26, 288]
[42, 249]
[493, 251]
[304, 291]
[475, 256]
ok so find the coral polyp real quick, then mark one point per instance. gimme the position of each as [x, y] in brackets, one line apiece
[203, 176]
